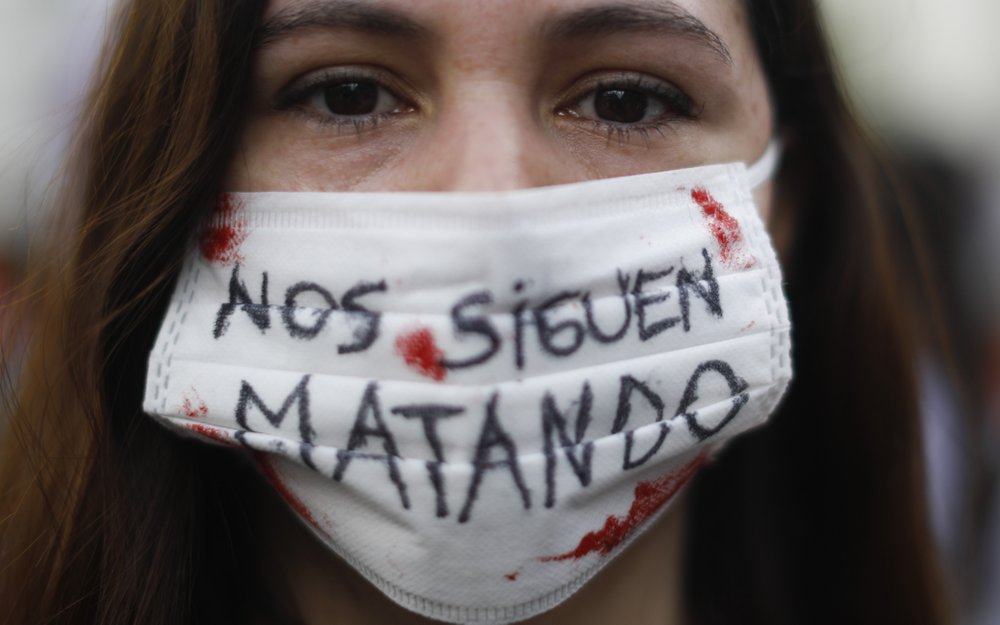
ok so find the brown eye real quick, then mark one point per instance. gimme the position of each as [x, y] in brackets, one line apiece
[345, 99]
[632, 101]
[622, 106]
[351, 98]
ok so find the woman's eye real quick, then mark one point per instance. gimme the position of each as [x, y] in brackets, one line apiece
[344, 100]
[353, 98]
[633, 102]
[622, 106]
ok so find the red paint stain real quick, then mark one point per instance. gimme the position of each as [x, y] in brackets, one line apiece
[512, 576]
[649, 497]
[725, 229]
[211, 433]
[271, 475]
[220, 242]
[420, 352]
[193, 407]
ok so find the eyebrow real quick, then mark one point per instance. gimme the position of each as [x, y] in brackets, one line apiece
[346, 14]
[609, 19]
[619, 18]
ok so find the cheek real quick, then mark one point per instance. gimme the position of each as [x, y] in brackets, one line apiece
[275, 155]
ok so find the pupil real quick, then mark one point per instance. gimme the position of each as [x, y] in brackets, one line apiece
[621, 105]
[351, 98]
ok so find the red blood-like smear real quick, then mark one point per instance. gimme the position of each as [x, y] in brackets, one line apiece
[725, 229]
[293, 502]
[193, 407]
[420, 352]
[512, 576]
[649, 497]
[220, 242]
[212, 433]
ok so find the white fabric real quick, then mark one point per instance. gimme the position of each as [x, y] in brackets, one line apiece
[417, 374]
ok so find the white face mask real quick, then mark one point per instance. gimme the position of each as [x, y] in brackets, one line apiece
[479, 399]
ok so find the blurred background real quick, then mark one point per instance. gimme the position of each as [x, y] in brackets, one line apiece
[924, 74]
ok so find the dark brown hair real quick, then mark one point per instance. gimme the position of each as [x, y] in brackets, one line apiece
[821, 517]
[106, 518]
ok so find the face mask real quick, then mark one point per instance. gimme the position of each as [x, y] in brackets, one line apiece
[479, 399]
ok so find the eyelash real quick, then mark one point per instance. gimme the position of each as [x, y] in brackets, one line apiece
[292, 99]
[678, 104]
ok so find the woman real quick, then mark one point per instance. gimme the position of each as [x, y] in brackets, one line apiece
[109, 518]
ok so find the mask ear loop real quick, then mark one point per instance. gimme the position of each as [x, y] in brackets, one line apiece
[760, 172]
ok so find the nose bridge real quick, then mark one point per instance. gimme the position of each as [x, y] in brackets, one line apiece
[488, 138]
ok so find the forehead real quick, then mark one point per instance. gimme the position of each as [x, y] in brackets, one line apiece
[515, 25]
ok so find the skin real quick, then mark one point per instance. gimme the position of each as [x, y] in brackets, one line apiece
[487, 96]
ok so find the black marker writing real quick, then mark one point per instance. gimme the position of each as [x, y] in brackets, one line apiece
[547, 332]
[298, 397]
[239, 296]
[297, 330]
[588, 307]
[366, 333]
[564, 431]
[704, 286]
[737, 389]
[644, 299]
[553, 422]
[628, 386]
[429, 415]
[359, 438]
[474, 324]
[493, 435]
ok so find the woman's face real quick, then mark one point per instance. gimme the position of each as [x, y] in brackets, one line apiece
[480, 95]
[488, 95]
